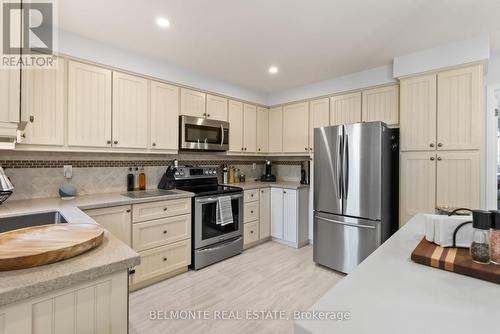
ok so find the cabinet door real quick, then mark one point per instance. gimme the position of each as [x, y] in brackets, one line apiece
[418, 113]
[458, 179]
[418, 184]
[459, 108]
[235, 117]
[277, 213]
[43, 97]
[216, 108]
[9, 95]
[345, 108]
[89, 105]
[319, 116]
[250, 128]
[296, 128]
[381, 104]
[192, 103]
[117, 220]
[276, 130]
[290, 215]
[265, 213]
[262, 130]
[164, 123]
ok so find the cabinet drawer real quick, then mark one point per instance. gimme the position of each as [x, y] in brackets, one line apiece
[160, 232]
[251, 195]
[251, 212]
[251, 233]
[161, 209]
[162, 260]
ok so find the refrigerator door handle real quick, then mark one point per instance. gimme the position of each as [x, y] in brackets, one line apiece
[345, 163]
[339, 167]
[345, 223]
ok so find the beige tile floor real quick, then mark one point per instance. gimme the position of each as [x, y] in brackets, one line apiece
[268, 277]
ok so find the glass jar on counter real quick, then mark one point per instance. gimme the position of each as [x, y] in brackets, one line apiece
[480, 246]
[495, 238]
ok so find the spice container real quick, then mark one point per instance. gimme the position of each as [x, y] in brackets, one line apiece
[495, 237]
[480, 246]
[142, 179]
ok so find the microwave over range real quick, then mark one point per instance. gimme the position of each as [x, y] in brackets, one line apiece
[201, 134]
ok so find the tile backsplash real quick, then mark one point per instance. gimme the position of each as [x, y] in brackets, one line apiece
[39, 175]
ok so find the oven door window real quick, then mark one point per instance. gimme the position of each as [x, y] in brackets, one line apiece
[210, 229]
[202, 134]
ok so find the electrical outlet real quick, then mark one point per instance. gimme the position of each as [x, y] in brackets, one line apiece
[68, 171]
[254, 166]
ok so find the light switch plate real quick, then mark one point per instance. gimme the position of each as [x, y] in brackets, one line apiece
[254, 166]
[68, 171]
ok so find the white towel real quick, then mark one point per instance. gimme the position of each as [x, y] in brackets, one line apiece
[439, 229]
[224, 211]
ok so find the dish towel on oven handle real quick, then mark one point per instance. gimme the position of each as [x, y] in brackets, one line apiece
[224, 211]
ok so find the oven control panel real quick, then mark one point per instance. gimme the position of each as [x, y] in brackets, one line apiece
[195, 172]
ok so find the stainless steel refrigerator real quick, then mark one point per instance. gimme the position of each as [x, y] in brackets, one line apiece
[355, 192]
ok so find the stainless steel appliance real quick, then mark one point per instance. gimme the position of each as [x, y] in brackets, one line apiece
[203, 134]
[211, 242]
[268, 176]
[355, 192]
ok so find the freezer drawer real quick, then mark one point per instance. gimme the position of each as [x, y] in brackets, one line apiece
[341, 243]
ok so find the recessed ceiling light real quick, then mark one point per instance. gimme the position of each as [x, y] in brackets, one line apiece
[162, 22]
[273, 70]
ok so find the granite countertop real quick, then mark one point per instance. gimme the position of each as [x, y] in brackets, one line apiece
[388, 293]
[111, 256]
[252, 184]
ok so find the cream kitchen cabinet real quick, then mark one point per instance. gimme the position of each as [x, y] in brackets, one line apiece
[43, 100]
[249, 128]
[130, 111]
[418, 113]
[9, 102]
[459, 115]
[289, 216]
[319, 116]
[296, 128]
[216, 108]
[164, 118]
[235, 117]
[117, 220]
[345, 108]
[381, 104]
[256, 227]
[89, 105]
[262, 130]
[264, 213]
[276, 130]
[193, 103]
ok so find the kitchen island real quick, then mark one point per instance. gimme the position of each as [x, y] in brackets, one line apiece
[388, 293]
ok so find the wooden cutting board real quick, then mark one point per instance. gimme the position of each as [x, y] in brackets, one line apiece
[456, 260]
[39, 245]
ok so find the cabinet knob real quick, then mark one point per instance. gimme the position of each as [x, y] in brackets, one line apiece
[165, 259]
[131, 271]
[128, 211]
[251, 211]
[115, 142]
[251, 195]
[251, 231]
[32, 118]
[431, 144]
[23, 135]
[242, 148]
[154, 144]
[259, 149]
[108, 142]
[440, 144]
[165, 232]
[208, 115]
[439, 159]
[432, 158]
[164, 209]
[305, 148]
[310, 149]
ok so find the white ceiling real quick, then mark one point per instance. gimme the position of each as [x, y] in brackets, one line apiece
[309, 40]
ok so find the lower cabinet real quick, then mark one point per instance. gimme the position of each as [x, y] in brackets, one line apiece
[98, 306]
[289, 216]
[116, 219]
[256, 216]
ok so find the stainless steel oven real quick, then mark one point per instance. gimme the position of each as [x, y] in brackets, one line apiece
[203, 134]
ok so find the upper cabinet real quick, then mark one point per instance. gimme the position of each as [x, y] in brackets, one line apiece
[296, 128]
[9, 101]
[130, 111]
[262, 130]
[216, 108]
[235, 117]
[193, 103]
[345, 108]
[276, 130]
[418, 113]
[319, 116]
[381, 104]
[89, 105]
[459, 108]
[249, 128]
[164, 118]
[43, 101]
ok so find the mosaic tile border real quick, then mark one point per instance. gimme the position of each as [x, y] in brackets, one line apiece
[130, 163]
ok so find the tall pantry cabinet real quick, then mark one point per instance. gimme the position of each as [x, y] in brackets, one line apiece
[441, 131]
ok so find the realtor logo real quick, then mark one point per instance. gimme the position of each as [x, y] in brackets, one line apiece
[28, 34]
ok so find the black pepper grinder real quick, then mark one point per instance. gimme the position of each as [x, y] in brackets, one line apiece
[480, 246]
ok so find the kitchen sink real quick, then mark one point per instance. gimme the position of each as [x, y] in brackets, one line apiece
[35, 219]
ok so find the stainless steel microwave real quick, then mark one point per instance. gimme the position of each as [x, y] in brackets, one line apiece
[203, 134]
